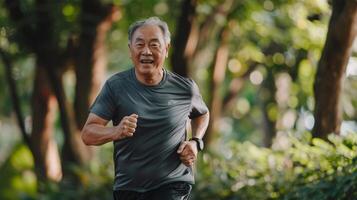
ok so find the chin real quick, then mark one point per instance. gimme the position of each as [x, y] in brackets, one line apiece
[145, 69]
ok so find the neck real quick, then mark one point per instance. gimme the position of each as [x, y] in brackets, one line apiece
[150, 79]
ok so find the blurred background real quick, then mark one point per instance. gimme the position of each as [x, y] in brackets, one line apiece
[279, 77]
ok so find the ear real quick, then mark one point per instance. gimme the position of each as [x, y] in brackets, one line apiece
[129, 50]
[167, 50]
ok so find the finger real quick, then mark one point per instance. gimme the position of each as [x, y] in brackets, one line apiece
[134, 115]
[183, 158]
[123, 128]
[181, 147]
[132, 125]
[125, 122]
[132, 119]
[130, 130]
[188, 164]
[187, 158]
[185, 162]
[191, 160]
[125, 135]
[184, 155]
[186, 151]
[129, 134]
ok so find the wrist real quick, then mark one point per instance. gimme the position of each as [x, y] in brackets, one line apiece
[115, 133]
[199, 143]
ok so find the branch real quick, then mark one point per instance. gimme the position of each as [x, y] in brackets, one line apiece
[15, 97]
[24, 28]
[210, 28]
[221, 9]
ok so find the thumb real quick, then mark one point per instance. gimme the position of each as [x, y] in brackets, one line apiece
[182, 147]
[134, 115]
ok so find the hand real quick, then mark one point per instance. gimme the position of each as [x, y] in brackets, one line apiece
[126, 127]
[188, 152]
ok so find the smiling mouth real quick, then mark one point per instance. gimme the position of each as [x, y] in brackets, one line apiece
[146, 61]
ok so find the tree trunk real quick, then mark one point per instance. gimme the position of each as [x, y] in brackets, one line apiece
[49, 58]
[182, 43]
[73, 151]
[42, 145]
[218, 74]
[327, 87]
[42, 39]
[267, 99]
[15, 97]
[46, 156]
[268, 126]
[91, 61]
[90, 69]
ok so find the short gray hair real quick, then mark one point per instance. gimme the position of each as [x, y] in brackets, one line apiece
[150, 21]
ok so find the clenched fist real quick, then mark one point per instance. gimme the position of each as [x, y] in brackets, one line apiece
[188, 152]
[126, 127]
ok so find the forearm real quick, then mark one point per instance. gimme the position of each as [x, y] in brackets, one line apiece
[96, 134]
[199, 125]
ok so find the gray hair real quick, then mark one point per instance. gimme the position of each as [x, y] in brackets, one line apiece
[150, 21]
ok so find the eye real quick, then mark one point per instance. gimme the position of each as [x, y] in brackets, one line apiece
[139, 44]
[155, 45]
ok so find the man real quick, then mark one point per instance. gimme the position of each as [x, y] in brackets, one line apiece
[149, 107]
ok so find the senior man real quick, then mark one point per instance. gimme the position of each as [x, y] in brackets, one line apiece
[149, 107]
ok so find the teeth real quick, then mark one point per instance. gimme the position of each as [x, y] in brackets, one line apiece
[146, 61]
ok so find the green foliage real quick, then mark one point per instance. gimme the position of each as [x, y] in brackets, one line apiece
[18, 180]
[280, 36]
[280, 42]
[300, 168]
[304, 169]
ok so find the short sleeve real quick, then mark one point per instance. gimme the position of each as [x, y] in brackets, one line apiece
[104, 105]
[198, 106]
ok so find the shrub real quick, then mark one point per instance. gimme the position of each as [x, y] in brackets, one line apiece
[306, 168]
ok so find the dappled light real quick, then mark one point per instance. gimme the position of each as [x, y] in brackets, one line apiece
[279, 79]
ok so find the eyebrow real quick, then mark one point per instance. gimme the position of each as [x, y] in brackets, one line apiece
[151, 40]
[138, 40]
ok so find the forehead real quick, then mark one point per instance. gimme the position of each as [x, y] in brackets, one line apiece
[148, 32]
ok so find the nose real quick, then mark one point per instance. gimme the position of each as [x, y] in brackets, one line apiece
[146, 51]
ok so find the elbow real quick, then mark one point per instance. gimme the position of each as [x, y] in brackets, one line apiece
[207, 115]
[84, 137]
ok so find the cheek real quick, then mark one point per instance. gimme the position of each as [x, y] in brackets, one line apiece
[160, 58]
[135, 56]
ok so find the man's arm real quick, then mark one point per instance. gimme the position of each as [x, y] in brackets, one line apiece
[95, 131]
[188, 149]
[199, 125]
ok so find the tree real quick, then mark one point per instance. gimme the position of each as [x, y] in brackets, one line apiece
[40, 37]
[341, 33]
[182, 42]
[195, 43]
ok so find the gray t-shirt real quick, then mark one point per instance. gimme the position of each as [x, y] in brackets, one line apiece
[149, 158]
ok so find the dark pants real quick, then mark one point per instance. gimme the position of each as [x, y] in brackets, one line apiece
[171, 191]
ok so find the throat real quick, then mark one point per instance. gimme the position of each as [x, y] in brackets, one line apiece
[150, 79]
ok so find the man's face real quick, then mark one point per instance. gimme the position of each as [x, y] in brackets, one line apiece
[148, 49]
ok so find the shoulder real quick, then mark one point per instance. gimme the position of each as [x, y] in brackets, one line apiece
[118, 78]
[178, 79]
